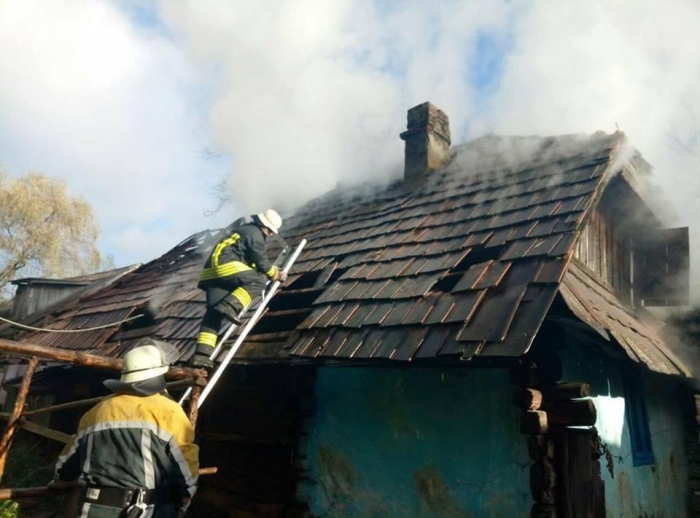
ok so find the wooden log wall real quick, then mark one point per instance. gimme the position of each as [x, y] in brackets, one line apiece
[547, 408]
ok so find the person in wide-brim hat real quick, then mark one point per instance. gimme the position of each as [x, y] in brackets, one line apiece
[143, 370]
[135, 449]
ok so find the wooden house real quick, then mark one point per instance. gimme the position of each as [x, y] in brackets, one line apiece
[472, 339]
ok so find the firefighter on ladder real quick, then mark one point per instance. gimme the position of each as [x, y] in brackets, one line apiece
[135, 449]
[237, 270]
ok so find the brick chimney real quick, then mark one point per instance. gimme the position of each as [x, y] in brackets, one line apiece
[427, 140]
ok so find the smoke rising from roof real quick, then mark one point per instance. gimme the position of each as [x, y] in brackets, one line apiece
[307, 94]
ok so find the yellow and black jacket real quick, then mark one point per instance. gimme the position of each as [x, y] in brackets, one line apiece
[242, 251]
[130, 441]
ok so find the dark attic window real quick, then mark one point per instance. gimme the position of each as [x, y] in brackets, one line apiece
[637, 417]
[625, 246]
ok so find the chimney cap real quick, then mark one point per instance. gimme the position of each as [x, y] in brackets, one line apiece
[427, 139]
[427, 117]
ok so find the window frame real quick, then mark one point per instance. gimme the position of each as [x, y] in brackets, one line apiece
[637, 417]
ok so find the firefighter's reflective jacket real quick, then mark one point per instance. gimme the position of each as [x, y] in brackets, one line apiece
[129, 441]
[242, 251]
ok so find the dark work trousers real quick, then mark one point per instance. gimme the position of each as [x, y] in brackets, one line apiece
[227, 297]
[102, 511]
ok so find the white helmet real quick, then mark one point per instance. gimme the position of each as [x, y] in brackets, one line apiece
[143, 363]
[270, 219]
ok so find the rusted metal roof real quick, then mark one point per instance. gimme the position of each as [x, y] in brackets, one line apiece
[462, 263]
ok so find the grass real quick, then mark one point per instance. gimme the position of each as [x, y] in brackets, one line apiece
[29, 464]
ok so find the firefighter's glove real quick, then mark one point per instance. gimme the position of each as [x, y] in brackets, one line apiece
[281, 276]
[182, 508]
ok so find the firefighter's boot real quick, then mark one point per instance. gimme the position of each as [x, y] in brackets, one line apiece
[201, 357]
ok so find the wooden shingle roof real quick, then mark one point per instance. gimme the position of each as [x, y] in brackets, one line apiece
[462, 262]
[465, 262]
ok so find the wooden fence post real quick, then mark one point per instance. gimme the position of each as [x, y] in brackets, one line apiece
[193, 410]
[12, 423]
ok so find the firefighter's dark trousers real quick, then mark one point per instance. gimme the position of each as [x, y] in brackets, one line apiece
[103, 511]
[226, 297]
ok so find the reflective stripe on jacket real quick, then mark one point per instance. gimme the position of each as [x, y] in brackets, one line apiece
[131, 441]
[242, 250]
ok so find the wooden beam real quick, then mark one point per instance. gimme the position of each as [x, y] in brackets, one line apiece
[56, 408]
[534, 422]
[6, 440]
[172, 385]
[84, 359]
[528, 399]
[572, 413]
[34, 492]
[564, 391]
[44, 431]
[193, 413]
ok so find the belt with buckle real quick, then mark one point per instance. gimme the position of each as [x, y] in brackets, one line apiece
[118, 496]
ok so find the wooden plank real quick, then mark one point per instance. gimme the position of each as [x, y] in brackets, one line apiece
[54, 435]
[518, 249]
[564, 245]
[494, 316]
[340, 337]
[399, 312]
[496, 313]
[379, 313]
[441, 309]
[87, 360]
[421, 309]
[465, 307]
[328, 317]
[553, 270]
[433, 341]
[472, 276]
[544, 246]
[325, 275]
[493, 276]
[526, 322]
[348, 348]
[408, 347]
[390, 340]
[370, 343]
[581, 487]
[580, 309]
[359, 317]
[200, 382]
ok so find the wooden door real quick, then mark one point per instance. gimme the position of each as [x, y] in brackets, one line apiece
[581, 489]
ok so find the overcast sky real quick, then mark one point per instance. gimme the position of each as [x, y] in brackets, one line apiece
[144, 106]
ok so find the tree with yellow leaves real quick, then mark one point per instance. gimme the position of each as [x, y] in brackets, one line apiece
[44, 232]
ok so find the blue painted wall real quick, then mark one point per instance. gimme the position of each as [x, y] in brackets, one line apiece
[658, 490]
[415, 443]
